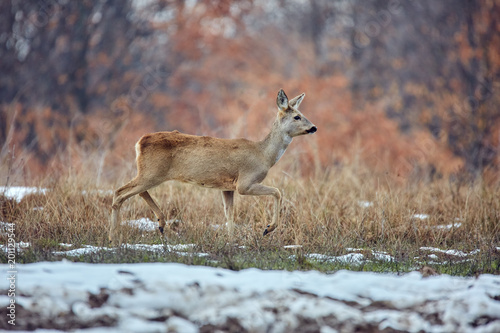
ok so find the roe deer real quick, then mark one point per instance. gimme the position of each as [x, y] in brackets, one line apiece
[225, 164]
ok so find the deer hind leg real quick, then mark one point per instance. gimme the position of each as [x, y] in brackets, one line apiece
[152, 204]
[228, 200]
[135, 186]
[259, 189]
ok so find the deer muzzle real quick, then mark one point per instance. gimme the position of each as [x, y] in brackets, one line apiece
[312, 130]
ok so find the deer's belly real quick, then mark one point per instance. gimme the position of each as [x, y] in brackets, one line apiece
[221, 183]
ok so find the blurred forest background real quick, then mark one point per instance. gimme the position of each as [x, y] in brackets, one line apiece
[406, 89]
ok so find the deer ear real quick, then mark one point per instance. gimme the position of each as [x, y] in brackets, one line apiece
[295, 102]
[282, 100]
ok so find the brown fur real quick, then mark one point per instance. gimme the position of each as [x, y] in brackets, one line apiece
[226, 164]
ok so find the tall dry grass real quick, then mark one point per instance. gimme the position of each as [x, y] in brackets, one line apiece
[339, 208]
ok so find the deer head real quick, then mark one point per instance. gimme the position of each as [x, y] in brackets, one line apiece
[291, 121]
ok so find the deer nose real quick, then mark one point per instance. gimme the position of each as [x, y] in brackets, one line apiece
[312, 129]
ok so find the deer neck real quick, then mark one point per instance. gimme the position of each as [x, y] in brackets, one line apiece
[275, 144]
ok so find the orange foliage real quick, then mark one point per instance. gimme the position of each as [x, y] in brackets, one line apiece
[207, 71]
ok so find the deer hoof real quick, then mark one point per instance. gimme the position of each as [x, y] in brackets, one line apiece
[161, 230]
[265, 231]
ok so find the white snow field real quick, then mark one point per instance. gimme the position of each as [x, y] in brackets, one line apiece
[169, 297]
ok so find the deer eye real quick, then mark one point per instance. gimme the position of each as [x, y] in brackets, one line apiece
[297, 118]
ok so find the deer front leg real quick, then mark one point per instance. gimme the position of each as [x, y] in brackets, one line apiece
[228, 200]
[259, 189]
[152, 204]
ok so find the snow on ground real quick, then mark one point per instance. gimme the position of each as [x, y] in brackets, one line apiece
[451, 252]
[448, 226]
[365, 204]
[159, 297]
[354, 258]
[18, 246]
[19, 192]
[145, 224]
[180, 249]
[98, 192]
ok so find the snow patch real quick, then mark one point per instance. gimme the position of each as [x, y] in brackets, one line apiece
[218, 226]
[451, 252]
[292, 246]
[365, 204]
[98, 192]
[86, 249]
[180, 249]
[143, 224]
[448, 226]
[19, 246]
[19, 192]
[349, 258]
[153, 296]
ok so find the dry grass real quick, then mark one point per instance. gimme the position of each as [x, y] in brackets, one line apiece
[326, 214]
